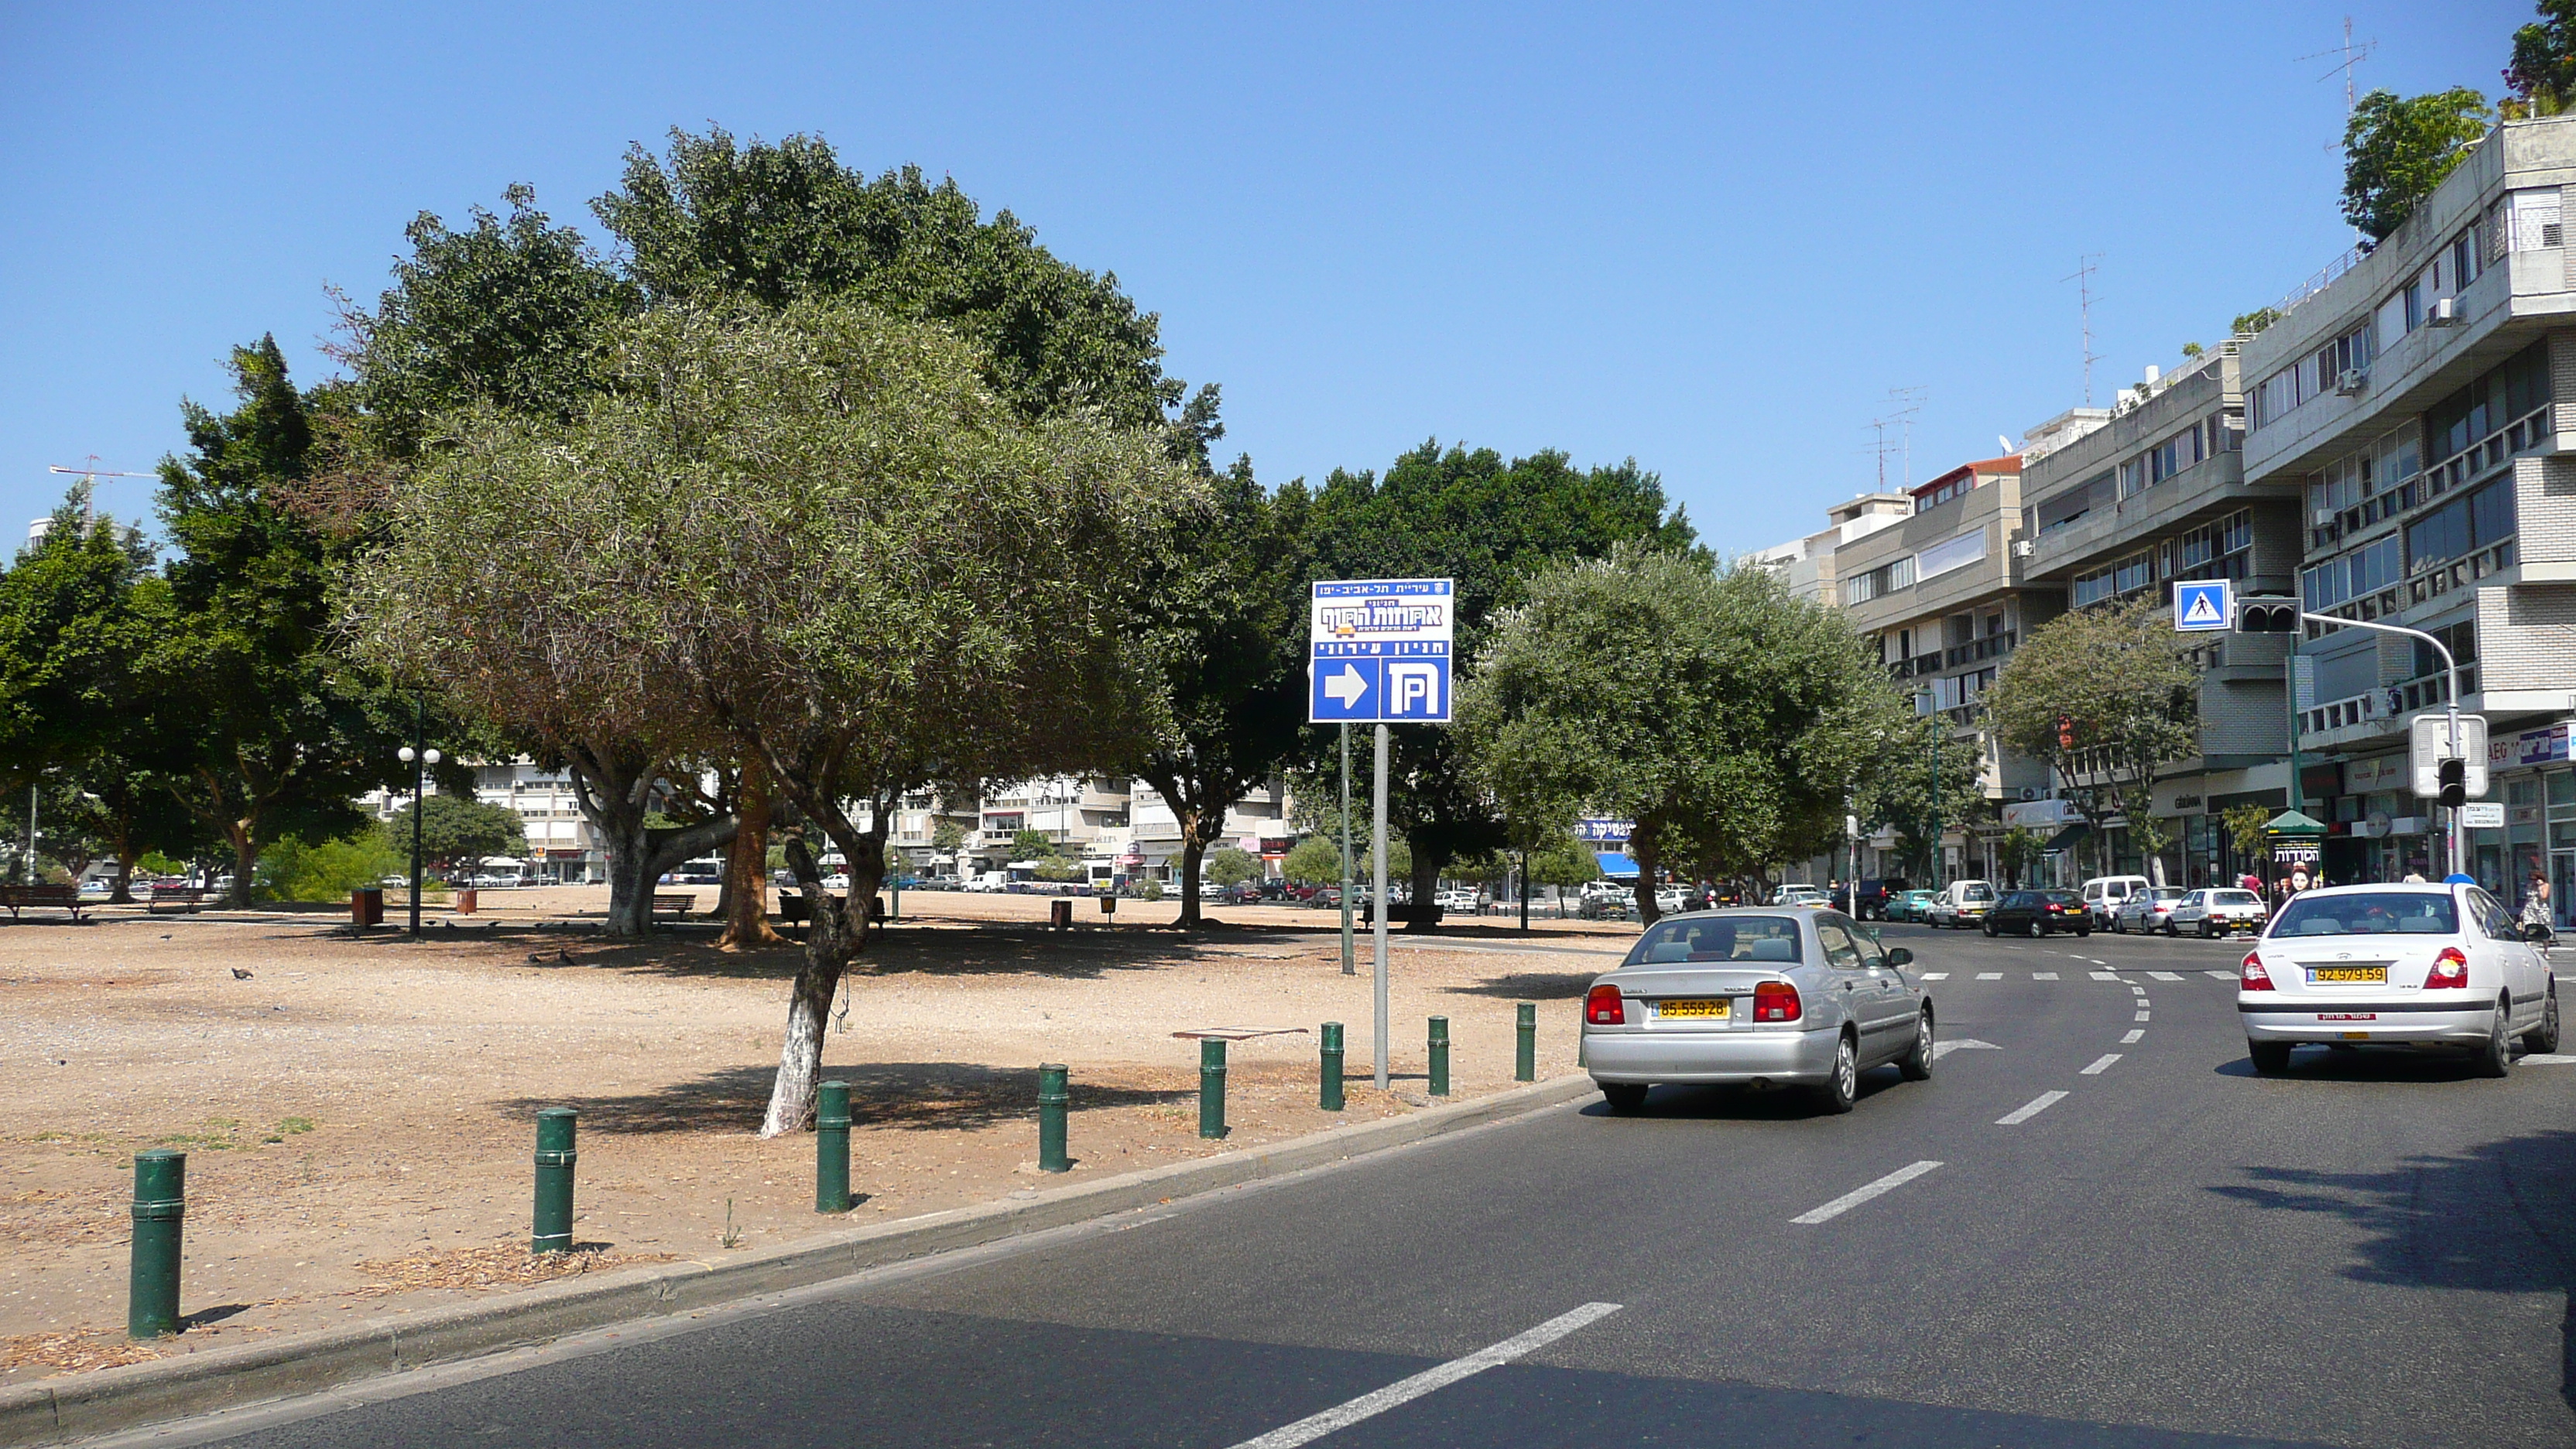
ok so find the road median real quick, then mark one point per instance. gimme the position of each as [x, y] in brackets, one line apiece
[63, 1410]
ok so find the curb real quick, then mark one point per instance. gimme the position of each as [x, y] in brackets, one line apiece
[59, 1411]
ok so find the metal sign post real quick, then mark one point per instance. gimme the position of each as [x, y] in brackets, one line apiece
[1349, 966]
[1380, 656]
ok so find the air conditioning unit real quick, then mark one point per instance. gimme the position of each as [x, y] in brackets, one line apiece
[2322, 517]
[2030, 792]
[2445, 313]
[2350, 382]
[2022, 547]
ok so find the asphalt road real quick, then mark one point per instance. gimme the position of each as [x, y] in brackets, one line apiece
[2376, 1250]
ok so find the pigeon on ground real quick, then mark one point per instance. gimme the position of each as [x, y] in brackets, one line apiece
[241, 973]
[564, 956]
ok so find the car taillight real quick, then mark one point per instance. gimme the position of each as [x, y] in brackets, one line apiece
[2255, 977]
[2450, 969]
[1602, 1007]
[1775, 1001]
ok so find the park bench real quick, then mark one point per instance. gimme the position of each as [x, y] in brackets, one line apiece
[18, 897]
[674, 905]
[187, 898]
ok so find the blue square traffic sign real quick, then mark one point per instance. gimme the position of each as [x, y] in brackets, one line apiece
[2204, 606]
[1344, 689]
[1380, 651]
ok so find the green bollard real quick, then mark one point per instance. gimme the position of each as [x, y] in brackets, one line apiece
[1212, 1087]
[1330, 1098]
[1440, 1056]
[554, 1181]
[1053, 1096]
[1525, 1054]
[160, 1204]
[832, 1148]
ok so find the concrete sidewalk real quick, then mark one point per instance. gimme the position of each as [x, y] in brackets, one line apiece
[63, 1410]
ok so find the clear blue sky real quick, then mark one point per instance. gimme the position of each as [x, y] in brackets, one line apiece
[1710, 238]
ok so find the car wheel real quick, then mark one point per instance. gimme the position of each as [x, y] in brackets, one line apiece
[2495, 1059]
[1842, 1088]
[1917, 1064]
[2038, 929]
[2119, 926]
[2544, 1037]
[2171, 929]
[2271, 1058]
[1625, 1098]
[1990, 930]
[2207, 934]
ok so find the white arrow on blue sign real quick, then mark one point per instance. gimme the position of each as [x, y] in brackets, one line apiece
[1380, 651]
[2204, 606]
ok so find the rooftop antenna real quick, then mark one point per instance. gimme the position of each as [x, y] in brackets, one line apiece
[1912, 398]
[2082, 277]
[2353, 55]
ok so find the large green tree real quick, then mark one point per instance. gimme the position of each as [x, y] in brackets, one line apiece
[457, 832]
[279, 736]
[2103, 695]
[2543, 71]
[1927, 782]
[1489, 524]
[1728, 720]
[2397, 149]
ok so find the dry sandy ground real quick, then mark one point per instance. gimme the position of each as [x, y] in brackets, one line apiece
[358, 1113]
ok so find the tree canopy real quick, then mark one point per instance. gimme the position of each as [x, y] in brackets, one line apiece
[2104, 695]
[2397, 149]
[2543, 70]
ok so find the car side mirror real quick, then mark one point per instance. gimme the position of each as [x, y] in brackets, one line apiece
[1899, 956]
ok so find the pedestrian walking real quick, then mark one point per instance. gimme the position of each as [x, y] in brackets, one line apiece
[2535, 901]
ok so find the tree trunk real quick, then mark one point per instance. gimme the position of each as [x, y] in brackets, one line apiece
[1425, 884]
[829, 943]
[122, 893]
[1641, 848]
[747, 865]
[1192, 852]
[245, 862]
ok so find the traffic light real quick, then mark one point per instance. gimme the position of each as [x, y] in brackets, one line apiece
[2454, 779]
[2267, 616]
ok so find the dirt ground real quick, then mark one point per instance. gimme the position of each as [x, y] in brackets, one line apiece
[358, 1113]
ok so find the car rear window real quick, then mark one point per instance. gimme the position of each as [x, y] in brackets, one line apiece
[1747, 940]
[2063, 898]
[2165, 897]
[2369, 913]
[2235, 898]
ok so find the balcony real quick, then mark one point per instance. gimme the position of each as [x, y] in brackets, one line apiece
[1993, 646]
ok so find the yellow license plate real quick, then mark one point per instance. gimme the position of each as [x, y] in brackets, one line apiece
[2348, 973]
[1704, 1010]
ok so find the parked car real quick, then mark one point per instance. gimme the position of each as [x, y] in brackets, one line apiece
[989, 882]
[1807, 896]
[1749, 995]
[1669, 900]
[1326, 896]
[2215, 911]
[2104, 893]
[1909, 905]
[2399, 965]
[1468, 901]
[2038, 913]
[2147, 911]
[1871, 898]
[1961, 904]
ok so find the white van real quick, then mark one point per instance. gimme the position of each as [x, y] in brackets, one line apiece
[2104, 894]
[989, 882]
[1964, 903]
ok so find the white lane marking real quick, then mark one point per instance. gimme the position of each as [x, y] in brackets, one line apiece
[2092, 961]
[2137, 991]
[2100, 1065]
[2141, 1003]
[2135, 1033]
[2043, 976]
[2164, 976]
[1405, 1391]
[1943, 1049]
[1936, 975]
[2141, 1016]
[2104, 976]
[1854, 1198]
[2547, 1059]
[1990, 976]
[2220, 975]
[2030, 1109]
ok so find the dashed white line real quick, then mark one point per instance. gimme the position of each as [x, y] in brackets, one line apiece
[2132, 1038]
[2104, 976]
[2030, 1109]
[1936, 975]
[2141, 1016]
[1943, 1049]
[2100, 1065]
[2220, 975]
[2135, 990]
[2547, 1059]
[2141, 1003]
[2043, 976]
[1405, 1391]
[1854, 1198]
[2164, 976]
[1990, 976]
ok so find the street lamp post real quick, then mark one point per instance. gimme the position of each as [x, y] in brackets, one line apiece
[420, 757]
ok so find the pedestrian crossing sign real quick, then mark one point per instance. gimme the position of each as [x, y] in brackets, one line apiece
[2203, 606]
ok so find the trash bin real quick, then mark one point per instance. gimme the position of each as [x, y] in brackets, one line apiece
[1060, 914]
[367, 907]
[465, 901]
[1108, 905]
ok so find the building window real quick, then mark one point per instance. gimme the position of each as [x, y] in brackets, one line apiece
[1955, 553]
[2461, 526]
[2091, 588]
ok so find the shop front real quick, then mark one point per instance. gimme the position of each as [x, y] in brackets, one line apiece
[2532, 774]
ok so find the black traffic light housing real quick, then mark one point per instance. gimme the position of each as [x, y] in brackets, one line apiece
[2267, 616]
[2453, 774]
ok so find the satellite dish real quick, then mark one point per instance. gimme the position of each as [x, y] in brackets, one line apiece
[2003, 442]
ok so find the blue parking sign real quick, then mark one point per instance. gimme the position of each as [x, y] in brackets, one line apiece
[2204, 606]
[1344, 689]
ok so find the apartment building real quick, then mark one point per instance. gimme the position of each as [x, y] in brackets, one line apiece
[562, 848]
[1942, 596]
[2156, 492]
[1086, 816]
[1257, 824]
[2409, 396]
[1806, 565]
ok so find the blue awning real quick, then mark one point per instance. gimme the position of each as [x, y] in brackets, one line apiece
[1615, 865]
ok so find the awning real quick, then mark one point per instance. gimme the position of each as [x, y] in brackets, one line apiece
[1615, 864]
[2064, 840]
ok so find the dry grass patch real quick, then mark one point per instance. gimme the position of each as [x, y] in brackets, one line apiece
[498, 1265]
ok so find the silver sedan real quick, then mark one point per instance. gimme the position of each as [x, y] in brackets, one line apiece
[1794, 997]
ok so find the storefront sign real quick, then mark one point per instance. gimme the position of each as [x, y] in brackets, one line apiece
[2381, 772]
[2040, 814]
[2531, 747]
[1601, 828]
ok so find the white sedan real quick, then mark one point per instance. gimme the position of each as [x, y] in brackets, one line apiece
[2397, 965]
[2215, 911]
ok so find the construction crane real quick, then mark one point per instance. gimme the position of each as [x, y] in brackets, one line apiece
[89, 477]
